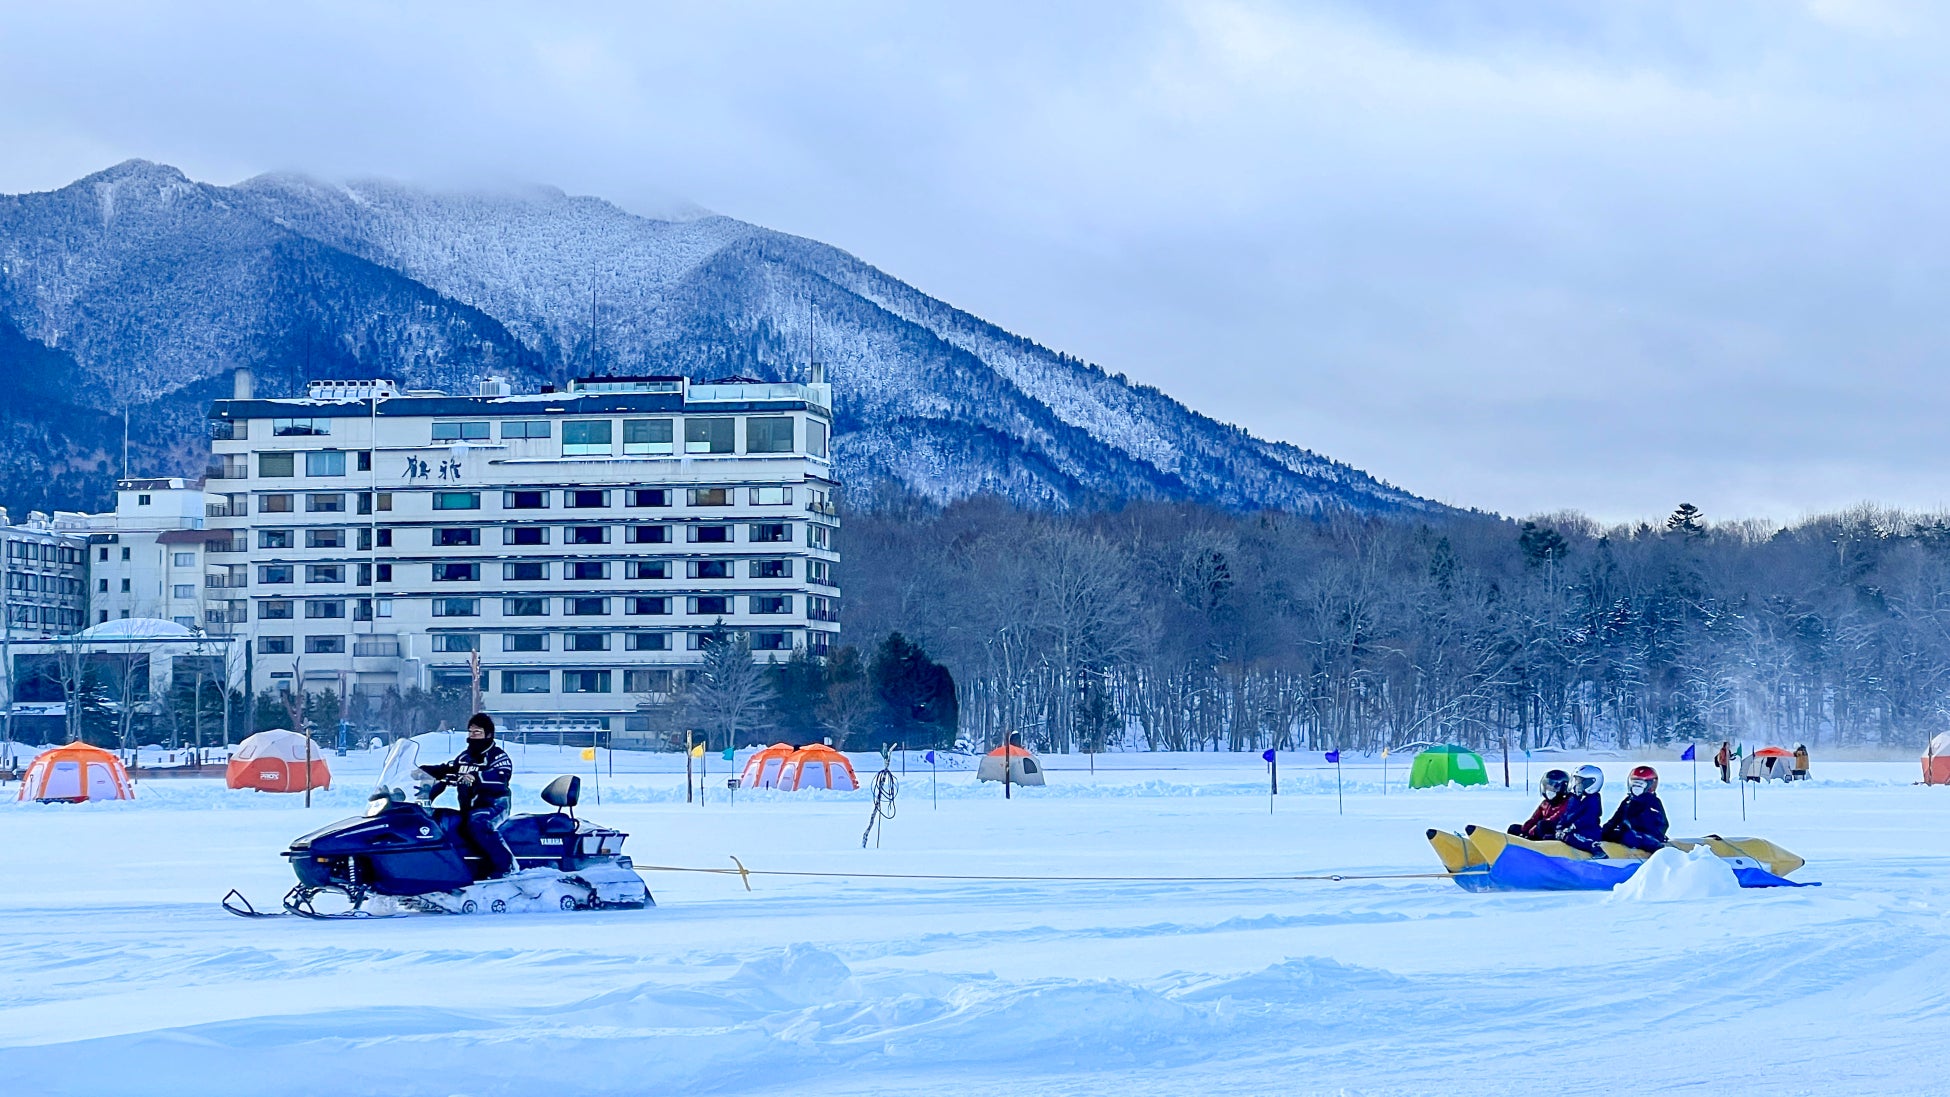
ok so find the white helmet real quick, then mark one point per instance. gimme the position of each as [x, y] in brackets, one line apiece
[1587, 780]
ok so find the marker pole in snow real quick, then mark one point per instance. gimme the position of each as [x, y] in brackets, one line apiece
[1384, 771]
[1340, 805]
[1272, 767]
[1506, 760]
[1694, 751]
[687, 767]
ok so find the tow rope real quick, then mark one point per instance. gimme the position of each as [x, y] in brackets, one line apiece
[745, 874]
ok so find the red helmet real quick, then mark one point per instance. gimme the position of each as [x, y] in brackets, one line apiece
[1644, 779]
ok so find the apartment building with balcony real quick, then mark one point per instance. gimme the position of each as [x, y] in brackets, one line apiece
[567, 553]
[147, 557]
[43, 574]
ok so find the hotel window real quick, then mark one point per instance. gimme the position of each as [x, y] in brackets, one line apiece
[647, 680]
[460, 432]
[710, 497]
[819, 537]
[528, 428]
[584, 570]
[457, 500]
[524, 641]
[585, 607]
[266, 539]
[325, 538]
[525, 571]
[710, 435]
[649, 535]
[457, 573]
[324, 573]
[456, 536]
[277, 504]
[771, 641]
[649, 569]
[586, 438]
[585, 641]
[771, 533]
[324, 610]
[815, 438]
[647, 607]
[274, 645]
[769, 569]
[647, 436]
[456, 641]
[650, 497]
[709, 569]
[524, 681]
[324, 645]
[456, 607]
[771, 497]
[277, 464]
[524, 500]
[585, 499]
[768, 434]
[710, 605]
[587, 535]
[524, 535]
[183, 590]
[646, 641]
[298, 428]
[329, 462]
[524, 607]
[709, 535]
[274, 610]
[325, 504]
[585, 681]
[276, 573]
[770, 603]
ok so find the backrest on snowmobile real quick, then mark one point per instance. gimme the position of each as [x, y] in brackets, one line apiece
[563, 792]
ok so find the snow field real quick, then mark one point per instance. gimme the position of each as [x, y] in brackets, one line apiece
[119, 974]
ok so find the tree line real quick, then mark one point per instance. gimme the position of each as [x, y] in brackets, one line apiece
[1180, 627]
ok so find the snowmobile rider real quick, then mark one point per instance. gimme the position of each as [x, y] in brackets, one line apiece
[1542, 824]
[1578, 827]
[1640, 819]
[480, 776]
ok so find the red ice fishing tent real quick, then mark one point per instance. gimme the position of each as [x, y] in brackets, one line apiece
[1936, 761]
[818, 766]
[763, 770]
[278, 761]
[75, 773]
[1768, 764]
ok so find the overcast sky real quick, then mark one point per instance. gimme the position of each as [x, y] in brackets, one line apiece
[1513, 254]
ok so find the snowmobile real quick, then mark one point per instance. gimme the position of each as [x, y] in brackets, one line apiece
[405, 856]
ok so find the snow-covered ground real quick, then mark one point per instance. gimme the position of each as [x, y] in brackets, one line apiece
[119, 974]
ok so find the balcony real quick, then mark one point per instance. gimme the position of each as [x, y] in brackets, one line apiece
[828, 509]
[227, 468]
[375, 649]
[235, 544]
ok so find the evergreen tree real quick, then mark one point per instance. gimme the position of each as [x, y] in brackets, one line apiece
[730, 691]
[917, 695]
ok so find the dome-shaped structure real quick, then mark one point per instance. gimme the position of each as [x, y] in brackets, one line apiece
[278, 761]
[1011, 762]
[139, 628]
[818, 766]
[763, 770]
[74, 773]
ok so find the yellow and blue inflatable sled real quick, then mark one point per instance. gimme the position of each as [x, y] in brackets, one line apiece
[1488, 859]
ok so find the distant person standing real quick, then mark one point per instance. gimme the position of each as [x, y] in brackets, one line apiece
[1724, 760]
[1801, 762]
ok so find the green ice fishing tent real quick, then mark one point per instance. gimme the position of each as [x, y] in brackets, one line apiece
[1447, 765]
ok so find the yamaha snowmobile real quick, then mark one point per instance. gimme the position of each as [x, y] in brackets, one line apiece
[406, 856]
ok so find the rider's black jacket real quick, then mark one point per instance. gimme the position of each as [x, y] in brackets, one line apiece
[492, 772]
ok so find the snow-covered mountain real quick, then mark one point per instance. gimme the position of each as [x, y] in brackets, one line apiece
[139, 288]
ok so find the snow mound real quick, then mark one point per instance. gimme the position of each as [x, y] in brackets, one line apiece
[1672, 876]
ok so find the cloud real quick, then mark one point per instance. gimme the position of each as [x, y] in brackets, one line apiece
[1511, 253]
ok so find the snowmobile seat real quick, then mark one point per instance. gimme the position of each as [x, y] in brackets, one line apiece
[563, 792]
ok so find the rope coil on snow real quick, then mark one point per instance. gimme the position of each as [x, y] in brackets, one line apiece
[884, 789]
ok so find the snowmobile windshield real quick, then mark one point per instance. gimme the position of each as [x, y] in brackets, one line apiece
[396, 778]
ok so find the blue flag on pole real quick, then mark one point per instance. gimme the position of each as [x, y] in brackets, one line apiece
[1334, 756]
[1268, 756]
[928, 757]
[1689, 755]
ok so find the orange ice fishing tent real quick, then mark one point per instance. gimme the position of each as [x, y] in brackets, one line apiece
[763, 770]
[74, 773]
[818, 766]
[1936, 761]
[278, 761]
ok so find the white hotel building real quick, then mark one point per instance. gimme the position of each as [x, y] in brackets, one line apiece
[573, 549]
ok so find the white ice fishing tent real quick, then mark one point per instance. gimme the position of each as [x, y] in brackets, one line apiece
[1770, 764]
[1023, 768]
[75, 773]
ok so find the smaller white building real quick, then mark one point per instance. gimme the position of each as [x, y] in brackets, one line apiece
[146, 557]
